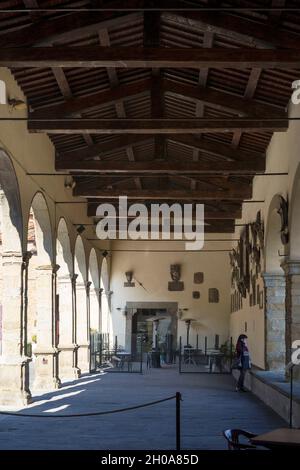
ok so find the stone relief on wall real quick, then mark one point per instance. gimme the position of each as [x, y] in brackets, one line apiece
[213, 295]
[175, 284]
[198, 278]
[283, 212]
[129, 276]
[246, 262]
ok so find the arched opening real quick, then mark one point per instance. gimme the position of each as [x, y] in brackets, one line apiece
[40, 305]
[95, 321]
[13, 362]
[82, 328]
[292, 271]
[274, 280]
[65, 300]
[106, 320]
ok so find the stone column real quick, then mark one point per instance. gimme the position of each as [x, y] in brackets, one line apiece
[292, 271]
[67, 329]
[82, 335]
[46, 365]
[274, 321]
[14, 366]
[94, 309]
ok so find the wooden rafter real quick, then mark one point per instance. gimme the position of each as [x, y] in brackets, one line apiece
[130, 57]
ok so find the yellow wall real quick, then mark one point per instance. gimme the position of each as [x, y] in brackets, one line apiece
[282, 156]
[153, 271]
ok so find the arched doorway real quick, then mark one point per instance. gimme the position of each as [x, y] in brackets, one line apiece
[14, 375]
[82, 329]
[40, 305]
[95, 320]
[65, 305]
[292, 271]
[106, 320]
[274, 280]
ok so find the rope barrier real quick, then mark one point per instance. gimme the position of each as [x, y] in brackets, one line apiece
[96, 413]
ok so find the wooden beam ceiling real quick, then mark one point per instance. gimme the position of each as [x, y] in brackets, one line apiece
[239, 193]
[64, 160]
[157, 167]
[158, 85]
[135, 57]
[155, 126]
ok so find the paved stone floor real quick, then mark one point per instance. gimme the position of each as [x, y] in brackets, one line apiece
[209, 405]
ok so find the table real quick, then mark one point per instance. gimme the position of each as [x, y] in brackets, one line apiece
[279, 438]
[188, 355]
[123, 356]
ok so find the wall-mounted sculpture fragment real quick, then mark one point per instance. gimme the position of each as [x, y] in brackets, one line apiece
[175, 285]
[213, 295]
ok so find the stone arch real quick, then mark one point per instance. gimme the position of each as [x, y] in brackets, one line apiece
[107, 326]
[13, 341]
[275, 285]
[11, 211]
[42, 227]
[82, 306]
[41, 307]
[291, 267]
[66, 304]
[63, 249]
[95, 318]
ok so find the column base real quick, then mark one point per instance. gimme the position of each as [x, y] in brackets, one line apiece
[83, 357]
[46, 369]
[14, 382]
[68, 368]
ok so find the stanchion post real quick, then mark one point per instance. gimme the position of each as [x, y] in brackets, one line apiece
[178, 423]
[291, 395]
[179, 359]
[141, 362]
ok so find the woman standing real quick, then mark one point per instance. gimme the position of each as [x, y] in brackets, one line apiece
[244, 362]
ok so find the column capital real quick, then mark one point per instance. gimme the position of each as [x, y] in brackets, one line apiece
[73, 278]
[26, 257]
[88, 287]
[274, 279]
[291, 267]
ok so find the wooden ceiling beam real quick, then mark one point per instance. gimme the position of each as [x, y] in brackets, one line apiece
[239, 193]
[135, 57]
[159, 167]
[156, 126]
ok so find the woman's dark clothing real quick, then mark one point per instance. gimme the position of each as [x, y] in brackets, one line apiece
[245, 363]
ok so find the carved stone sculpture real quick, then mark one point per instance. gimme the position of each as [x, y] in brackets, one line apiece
[129, 276]
[213, 295]
[175, 284]
[283, 212]
[198, 278]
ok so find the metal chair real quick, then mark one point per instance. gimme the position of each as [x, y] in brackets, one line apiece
[232, 437]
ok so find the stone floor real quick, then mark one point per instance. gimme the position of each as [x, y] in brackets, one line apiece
[209, 405]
